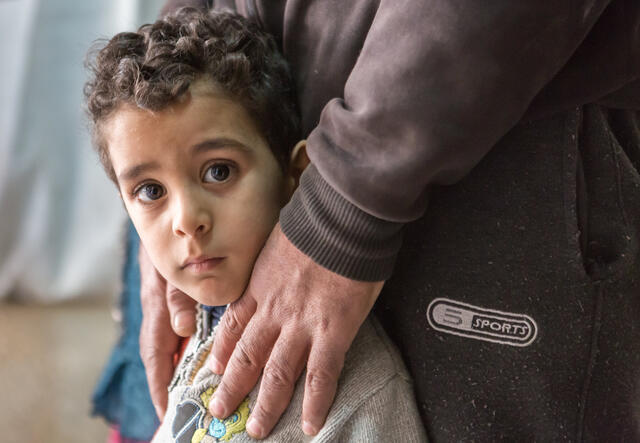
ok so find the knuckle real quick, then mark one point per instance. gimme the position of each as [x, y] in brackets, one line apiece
[145, 357]
[263, 414]
[324, 324]
[231, 390]
[174, 294]
[226, 389]
[343, 307]
[246, 357]
[149, 357]
[278, 376]
[154, 357]
[232, 323]
[274, 306]
[319, 381]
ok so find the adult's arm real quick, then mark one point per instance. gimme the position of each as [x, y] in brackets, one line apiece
[436, 84]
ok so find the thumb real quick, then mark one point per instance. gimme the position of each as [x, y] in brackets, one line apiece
[182, 310]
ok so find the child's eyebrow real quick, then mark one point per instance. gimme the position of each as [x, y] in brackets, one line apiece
[219, 143]
[136, 170]
[205, 146]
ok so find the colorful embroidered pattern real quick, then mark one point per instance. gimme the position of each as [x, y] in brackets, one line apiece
[198, 435]
[234, 424]
[192, 422]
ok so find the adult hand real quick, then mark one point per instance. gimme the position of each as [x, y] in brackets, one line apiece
[293, 312]
[163, 307]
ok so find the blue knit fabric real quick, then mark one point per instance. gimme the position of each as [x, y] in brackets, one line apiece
[122, 394]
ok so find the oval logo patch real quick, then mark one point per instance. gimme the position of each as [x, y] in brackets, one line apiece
[470, 321]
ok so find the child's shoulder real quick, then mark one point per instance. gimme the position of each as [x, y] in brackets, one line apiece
[373, 358]
[374, 388]
[375, 399]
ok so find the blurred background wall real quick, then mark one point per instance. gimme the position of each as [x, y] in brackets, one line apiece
[62, 225]
[60, 218]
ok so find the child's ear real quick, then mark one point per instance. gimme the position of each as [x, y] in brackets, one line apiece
[298, 161]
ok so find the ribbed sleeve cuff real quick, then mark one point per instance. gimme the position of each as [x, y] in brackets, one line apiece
[338, 235]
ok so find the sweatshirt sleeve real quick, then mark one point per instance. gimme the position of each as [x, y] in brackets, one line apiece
[434, 87]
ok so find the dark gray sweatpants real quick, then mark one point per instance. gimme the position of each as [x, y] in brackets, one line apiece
[516, 299]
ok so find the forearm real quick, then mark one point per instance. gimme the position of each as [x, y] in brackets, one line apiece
[434, 87]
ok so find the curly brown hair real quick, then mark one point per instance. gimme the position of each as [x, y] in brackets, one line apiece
[155, 66]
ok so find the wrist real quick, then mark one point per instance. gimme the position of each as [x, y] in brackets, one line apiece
[338, 235]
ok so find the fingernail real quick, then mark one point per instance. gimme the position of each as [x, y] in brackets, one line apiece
[217, 409]
[180, 320]
[308, 428]
[215, 366]
[254, 429]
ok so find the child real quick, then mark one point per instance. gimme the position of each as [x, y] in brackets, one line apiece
[194, 119]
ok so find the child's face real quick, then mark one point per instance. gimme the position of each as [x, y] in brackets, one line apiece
[203, 190]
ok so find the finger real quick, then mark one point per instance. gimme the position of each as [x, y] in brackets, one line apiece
[243, 369]
[323, 370]
[281, 372]
[159, 369]
[231, 327]
[182, 310]
[158, 343]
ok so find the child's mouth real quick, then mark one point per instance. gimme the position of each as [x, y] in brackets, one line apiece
[202, 263]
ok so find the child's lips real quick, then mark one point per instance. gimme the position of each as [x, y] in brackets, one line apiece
[202, 263]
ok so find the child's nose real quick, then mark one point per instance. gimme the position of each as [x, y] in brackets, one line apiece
[192, 218]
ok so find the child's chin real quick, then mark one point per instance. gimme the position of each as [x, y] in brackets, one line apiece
[213, 297]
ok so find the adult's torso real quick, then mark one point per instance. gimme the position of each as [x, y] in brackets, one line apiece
[515, 299]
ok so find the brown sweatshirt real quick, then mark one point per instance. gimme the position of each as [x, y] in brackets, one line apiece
[400, 95]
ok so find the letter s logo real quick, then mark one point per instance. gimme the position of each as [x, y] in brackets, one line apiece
[452, 316]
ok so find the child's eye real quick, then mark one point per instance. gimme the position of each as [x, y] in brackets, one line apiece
[217, 173]
[149, 192]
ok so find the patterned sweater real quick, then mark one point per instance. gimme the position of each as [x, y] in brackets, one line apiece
[374, 400]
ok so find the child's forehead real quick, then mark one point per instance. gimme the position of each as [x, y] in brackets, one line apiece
[203, 122]
[198, 113]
